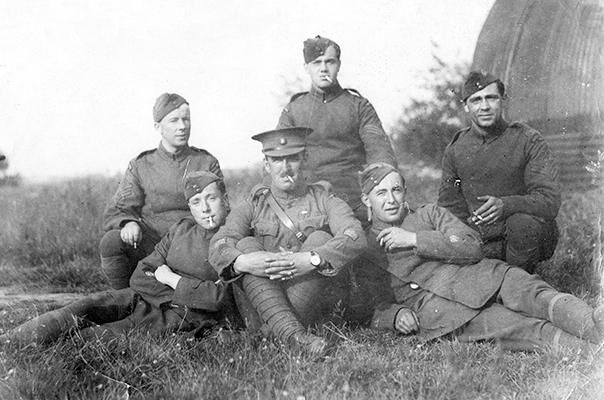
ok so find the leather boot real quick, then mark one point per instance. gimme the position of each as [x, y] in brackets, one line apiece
[117, 270]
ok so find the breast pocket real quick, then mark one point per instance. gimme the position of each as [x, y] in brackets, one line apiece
[266, 232]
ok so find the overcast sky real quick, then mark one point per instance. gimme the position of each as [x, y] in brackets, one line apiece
[79, 78]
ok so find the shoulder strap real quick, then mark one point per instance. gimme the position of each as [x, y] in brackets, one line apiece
[283, 217]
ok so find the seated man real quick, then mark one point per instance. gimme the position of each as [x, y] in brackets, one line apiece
[149, 198]
[501, 179]
[443, 286]
[287, 242]
[172, 289]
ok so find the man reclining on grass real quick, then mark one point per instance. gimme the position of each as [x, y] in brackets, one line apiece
[172, 289]
[444, 287]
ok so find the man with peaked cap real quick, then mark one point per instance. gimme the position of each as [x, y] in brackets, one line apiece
[442, 285]
[501, 178]
[149, 198]
[286, 245]
[172, 289]
[347, 132]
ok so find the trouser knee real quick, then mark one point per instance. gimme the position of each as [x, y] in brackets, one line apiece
[528, 240]
[249, 244]
[118, 259]
[523, 292]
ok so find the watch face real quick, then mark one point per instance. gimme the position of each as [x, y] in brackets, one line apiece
[315, 259]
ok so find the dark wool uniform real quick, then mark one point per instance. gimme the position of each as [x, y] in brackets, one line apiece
[332, 232]
[150, 194]
[515, 165]
[452, 291]
[199, 301]
[310, 207]
[347, 133]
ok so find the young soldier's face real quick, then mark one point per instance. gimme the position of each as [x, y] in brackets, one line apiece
[209, 208]
[285, 171]
[386, 199]
[323, 70]
[485, 106]
[175, 128]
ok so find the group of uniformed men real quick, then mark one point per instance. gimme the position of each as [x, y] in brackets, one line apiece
[178, 258]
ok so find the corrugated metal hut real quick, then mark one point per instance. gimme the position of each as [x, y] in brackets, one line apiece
[549, 54]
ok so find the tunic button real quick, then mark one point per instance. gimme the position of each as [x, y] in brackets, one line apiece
[414, 286]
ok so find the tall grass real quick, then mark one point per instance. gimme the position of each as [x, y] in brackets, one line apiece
[49, 236]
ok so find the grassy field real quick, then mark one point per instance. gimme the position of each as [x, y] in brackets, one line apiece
[49, 236]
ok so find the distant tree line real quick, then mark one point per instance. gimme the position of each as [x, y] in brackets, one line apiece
[427, 124]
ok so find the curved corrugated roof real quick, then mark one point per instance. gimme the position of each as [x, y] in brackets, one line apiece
[550, 55]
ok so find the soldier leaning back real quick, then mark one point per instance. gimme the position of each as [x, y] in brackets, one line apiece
[149, 198]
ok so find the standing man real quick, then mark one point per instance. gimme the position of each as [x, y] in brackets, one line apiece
[501, 179]
[149, 198]
[347, 132]
[287, 243]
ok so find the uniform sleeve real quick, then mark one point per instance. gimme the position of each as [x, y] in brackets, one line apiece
[377, 145]
[541, 182]
[215, 168]
[285, 120]
[450, 241]
[384, 316]
[348, 240]
[199, 294]
[223, 246]
[128, 201]
[153, 292]
[450, 195]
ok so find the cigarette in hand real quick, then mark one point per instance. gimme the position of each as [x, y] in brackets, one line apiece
[478, 217]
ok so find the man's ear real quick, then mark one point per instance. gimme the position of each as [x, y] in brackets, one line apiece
[265, 164]
[307, 68]
[157, 127]
[465, 107]
[365, 200]
[227, 203]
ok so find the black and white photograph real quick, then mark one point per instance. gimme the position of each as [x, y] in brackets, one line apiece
[302, 200]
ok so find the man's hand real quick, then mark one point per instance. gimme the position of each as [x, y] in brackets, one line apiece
[258, 262]
[491, 211]
[299, 265]
[396, 238]
[165, 275]
[406, 321]
[131, 234]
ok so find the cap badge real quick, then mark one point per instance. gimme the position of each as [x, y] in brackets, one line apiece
[283, 141]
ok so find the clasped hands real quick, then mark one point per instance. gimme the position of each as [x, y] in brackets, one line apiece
[283, 265]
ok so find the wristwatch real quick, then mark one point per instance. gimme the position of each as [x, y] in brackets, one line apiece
[316, 261]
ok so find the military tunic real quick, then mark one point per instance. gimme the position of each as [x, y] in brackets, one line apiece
[451, 292]
[515, 165]
[150, 192]
[199, 301]
[347, 133]
[310, 207]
